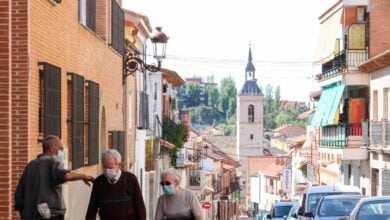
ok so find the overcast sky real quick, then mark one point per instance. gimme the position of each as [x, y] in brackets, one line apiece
[212, 37]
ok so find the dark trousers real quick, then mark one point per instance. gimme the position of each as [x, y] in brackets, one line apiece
[57, 217]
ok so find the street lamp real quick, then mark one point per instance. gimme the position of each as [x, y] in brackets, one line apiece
[132, 63]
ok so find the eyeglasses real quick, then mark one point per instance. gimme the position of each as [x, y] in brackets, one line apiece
[166, 183]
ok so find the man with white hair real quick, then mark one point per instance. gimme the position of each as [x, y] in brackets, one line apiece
[116, 194]
[177, 202]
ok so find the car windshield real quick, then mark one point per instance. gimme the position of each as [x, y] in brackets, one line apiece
[280, 211]
[374, 210]
[293, 210]
[314, 198]
[337, 207]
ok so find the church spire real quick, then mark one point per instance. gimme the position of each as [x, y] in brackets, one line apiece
[250, 68]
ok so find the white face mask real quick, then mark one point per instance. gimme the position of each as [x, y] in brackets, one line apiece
[60, 156]
[110, 173]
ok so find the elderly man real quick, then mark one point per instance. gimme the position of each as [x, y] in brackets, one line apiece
[38, 193]
[177, 202]
[115, 194]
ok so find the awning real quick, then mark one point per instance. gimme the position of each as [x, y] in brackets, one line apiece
[328, 109]
[330, 32]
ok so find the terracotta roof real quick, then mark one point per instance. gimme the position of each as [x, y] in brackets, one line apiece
[306, 114]
[166, 144]
[172, 77]
[377, 62]
[289, 131]
[267, 165]
[212, 132]
[226, 144]
[292, 104]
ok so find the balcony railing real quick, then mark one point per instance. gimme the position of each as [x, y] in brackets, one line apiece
[380, 135]
[337, 136]
[342, 63]
[195, 178]
[180, 160]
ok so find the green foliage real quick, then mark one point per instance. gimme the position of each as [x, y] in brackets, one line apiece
[227, 100]
[228, 129]
[274, 116]
[212, 96]
[205, 115]
[193, 93]
[173, 133]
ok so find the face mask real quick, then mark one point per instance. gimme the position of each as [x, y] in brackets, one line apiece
[60, 156]
[169, 190]
[110, 173]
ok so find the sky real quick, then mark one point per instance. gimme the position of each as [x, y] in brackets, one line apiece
[212, 38]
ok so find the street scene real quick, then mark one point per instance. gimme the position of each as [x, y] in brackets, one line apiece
[194, 110]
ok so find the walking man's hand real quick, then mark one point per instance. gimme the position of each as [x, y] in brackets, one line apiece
[88, 180]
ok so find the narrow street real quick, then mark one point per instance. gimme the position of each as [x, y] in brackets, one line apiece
[152, 110]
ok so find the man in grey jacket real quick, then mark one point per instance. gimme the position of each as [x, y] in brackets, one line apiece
[38, 193]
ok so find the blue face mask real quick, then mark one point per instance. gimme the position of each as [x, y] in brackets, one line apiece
[60, 156]
[169, 190]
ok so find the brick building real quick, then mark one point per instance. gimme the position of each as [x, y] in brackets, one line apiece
[61, 73]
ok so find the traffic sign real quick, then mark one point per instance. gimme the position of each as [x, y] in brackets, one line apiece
[206, 205]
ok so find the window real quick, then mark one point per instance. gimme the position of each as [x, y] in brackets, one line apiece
[117, 27]
[51, 100]
[251, 136]
[251, 113]
[375, 105]
[87, 13]
[118, 143]
[77, 120]
[385, 102]
[93, 122]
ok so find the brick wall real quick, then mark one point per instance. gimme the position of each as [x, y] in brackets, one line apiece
[40, 31]
[379, 28]
[19, 76]
[5, 113]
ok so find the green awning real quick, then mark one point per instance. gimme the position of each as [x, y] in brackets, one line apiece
[327, 110]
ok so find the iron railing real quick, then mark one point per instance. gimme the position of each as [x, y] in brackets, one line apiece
[342, 62]
[337, 136]
[194, 177]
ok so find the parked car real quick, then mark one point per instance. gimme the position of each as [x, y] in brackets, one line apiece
[377, 208]
[333, 207]
[280, 210]
[315, 193]
[293, 214]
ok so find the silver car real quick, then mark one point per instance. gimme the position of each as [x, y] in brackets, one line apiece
[334, 207]
[375, 208]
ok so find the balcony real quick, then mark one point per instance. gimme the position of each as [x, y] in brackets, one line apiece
[195, 179]
[345, 140]
[345, 64]
[380, 136]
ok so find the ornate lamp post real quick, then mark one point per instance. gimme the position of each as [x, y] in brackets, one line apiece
[132, 63]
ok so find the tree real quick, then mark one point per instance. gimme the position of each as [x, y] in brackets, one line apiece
[213, 96]
[277, 96]
[193, 93]
[228, 92]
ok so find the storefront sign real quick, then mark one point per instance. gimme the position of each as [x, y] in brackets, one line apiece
[286, 180]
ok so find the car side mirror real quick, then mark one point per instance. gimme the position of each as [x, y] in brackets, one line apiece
[268, 216]
[301, 210]
[294, 215]
[308, 214]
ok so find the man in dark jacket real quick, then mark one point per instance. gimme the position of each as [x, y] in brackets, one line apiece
[38, 193]
[115, 194]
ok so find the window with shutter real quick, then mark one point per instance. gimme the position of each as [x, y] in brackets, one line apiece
[117, 27]
[93, 123]
[51, 100]
[118, 143]
[77, 121]
[87, 13]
